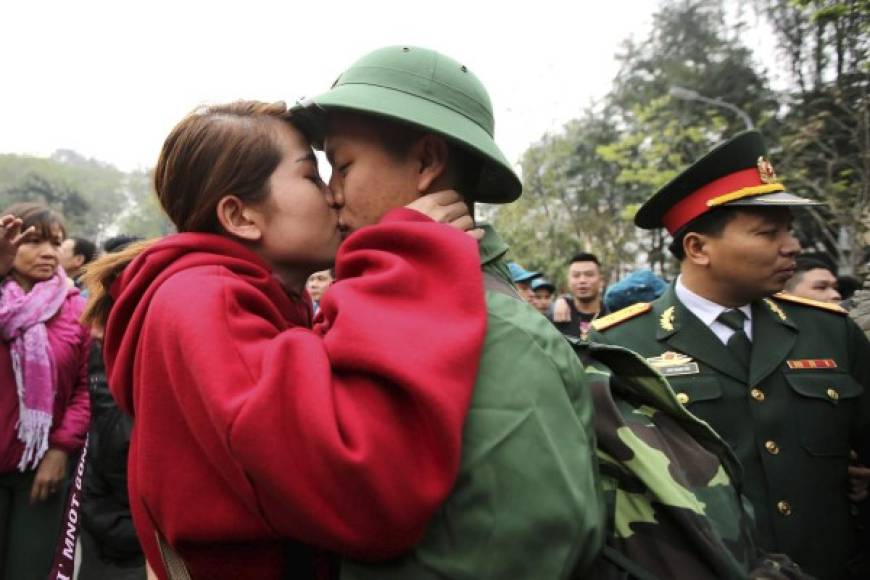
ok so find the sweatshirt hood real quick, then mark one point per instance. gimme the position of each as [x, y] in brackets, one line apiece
[137, 285]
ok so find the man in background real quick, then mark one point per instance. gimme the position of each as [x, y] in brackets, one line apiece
[75, 253]
[573, 315]
[543, 290]
[814, 279]
[317, 284]
[522, 279]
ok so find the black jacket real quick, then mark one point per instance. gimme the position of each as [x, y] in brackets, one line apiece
[106, 506]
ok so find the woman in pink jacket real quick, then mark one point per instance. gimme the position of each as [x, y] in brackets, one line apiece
[44, 406]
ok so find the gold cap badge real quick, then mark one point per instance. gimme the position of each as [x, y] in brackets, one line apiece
[765, 170]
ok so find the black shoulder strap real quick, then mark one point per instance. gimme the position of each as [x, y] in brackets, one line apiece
[625, 563]
[496, 284]
[172, 562]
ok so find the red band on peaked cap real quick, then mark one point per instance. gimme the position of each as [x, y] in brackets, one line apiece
[695, 203]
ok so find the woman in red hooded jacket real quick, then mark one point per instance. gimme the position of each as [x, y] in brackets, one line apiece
[259, 442]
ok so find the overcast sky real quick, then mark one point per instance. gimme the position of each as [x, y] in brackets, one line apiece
[110, 79]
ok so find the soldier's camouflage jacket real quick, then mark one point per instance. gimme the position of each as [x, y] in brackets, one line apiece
[670, 483]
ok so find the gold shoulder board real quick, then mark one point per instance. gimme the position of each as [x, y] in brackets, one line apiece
[606, 322]
[829, 306]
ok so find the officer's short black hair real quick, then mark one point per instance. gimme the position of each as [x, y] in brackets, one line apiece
[584, 257]
[807, 263]
[85, 248]
[711, 223]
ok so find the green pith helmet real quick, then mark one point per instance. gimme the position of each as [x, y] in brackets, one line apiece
[427, 89]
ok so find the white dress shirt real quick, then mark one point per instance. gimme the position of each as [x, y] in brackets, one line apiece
[707, 312]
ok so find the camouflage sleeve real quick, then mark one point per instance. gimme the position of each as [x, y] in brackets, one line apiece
[672, 507]
[860, 371]
[860, 311]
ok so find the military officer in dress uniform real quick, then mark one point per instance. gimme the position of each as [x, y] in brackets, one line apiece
[781, 379]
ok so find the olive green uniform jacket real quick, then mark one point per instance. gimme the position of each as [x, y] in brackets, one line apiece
[671, 484]
[527, 503]
[791, 428]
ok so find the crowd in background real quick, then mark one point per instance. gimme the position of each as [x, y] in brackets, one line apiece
[589, 296]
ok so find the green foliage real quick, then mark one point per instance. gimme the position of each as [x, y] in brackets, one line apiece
[825, 135]
[68, 201]
[583, 185]
[144, 216]
[654, 151]
[88, 193]
[572, 201]
[95, 198]
[692, 47]
[821, 39]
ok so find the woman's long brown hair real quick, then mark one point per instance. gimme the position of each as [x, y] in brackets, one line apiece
[213, 152]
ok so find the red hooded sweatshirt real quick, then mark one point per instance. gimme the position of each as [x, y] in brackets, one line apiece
[251, 429]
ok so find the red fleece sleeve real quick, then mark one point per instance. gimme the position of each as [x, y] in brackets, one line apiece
[350, 433]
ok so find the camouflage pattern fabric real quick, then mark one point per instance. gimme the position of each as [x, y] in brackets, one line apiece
[860, 311]
[669, 481]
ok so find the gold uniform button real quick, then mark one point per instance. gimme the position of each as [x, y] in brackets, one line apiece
[833, 394]
[771, 447]
[757, 394]
[683, 398]
[784, 507]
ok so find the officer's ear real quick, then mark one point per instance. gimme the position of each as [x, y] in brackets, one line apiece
[696, 248]
[431, 153]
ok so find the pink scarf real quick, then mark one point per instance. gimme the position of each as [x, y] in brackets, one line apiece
[22, 323]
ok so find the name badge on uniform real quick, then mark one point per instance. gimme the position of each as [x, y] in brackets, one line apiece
[673, 363]
[821, 363]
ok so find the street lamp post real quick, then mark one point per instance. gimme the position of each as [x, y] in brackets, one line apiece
[690, 95]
